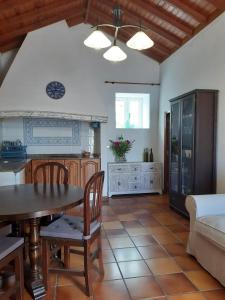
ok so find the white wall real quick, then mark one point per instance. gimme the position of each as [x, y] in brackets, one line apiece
[198, 64]
[57, 52]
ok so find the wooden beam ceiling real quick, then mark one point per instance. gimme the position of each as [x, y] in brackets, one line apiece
[171, 23]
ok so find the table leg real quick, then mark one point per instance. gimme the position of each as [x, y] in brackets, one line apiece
[35, 283]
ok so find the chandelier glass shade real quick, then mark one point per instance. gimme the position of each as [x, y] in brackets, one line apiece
[115, 53]
[98, 40]
[140, 41]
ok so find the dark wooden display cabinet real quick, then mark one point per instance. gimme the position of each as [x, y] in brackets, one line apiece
[192, 146]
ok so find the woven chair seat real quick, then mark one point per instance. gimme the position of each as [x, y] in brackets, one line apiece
[8, 245]
[68, 227]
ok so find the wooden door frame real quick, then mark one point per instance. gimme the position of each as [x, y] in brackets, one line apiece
[166, 152]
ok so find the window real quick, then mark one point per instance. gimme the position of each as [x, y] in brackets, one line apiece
[132, 110]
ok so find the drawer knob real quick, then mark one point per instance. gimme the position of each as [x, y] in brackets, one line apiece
[151, 181]
[118, 183]
[135, 178]
[135, 169]
[119, 169]
[135, 186]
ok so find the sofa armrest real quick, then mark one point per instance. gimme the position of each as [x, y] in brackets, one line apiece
[205, 205]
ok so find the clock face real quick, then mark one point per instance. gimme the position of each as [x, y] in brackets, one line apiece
[55, 90]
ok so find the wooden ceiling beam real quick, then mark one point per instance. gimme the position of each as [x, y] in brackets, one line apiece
[45, 17]
[12, 44]
[87, 11]
[7, 5]
[188, 9]
[43, 12]
[220, 4]
[132, 14]
[75, 20]
[164, 15]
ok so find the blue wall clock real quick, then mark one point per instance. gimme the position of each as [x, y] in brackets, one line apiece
[55, 90]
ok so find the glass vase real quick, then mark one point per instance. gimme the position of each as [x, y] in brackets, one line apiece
[120, 159]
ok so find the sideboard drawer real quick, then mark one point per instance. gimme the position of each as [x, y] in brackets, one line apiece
[119, 168]
[151, 167]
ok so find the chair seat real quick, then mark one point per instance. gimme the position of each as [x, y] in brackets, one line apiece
[68, 227]
[8, 245]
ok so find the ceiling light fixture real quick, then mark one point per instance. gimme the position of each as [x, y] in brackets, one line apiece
[98, 40]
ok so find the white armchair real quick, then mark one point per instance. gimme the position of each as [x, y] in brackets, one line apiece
[207, 232]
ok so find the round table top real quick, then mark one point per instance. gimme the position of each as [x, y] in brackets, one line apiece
[26, 201]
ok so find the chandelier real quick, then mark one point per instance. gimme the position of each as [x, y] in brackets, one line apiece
[98, 40]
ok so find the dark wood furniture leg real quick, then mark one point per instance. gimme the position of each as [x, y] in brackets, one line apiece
[19, 274]
[35, 283]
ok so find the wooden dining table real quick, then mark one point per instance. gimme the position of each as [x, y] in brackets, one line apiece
[30, 202]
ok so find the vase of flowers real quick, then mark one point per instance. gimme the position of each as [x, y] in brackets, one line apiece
[120, 147]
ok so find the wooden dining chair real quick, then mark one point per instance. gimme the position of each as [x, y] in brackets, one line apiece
[51, 172]
[77, 231]
[11, 250]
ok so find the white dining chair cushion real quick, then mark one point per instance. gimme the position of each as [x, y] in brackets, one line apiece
[68, 227]
[9, 244]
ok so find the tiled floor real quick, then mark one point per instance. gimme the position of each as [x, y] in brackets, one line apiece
[144, 256]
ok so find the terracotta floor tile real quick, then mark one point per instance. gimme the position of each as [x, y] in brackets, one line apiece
[143, 240]
[152, 251]
[189, 296]
[165, 238]
[112, 271]
[165, 219]
[182, 236]
[134, 269]
[203, 280]
[110, 290]
[215, 295]
[173, 284]
[116, 233]
[157, 230]
[126, 217]
[70, 293]
[112, 225]
[132, 224]
[136, 231]
[150, 221]
[187, 263]
[68, 280]
[123, 242]
[143, 288]
[176, 249]
[108, 256]
[177, 228]
[163, 265]
[127, 254]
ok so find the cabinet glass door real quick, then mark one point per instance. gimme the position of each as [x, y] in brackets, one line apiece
[187, 146]
[175, 147]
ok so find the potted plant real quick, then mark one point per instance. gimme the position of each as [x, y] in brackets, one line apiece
[120, 147]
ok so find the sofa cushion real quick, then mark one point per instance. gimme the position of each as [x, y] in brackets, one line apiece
[213, 228]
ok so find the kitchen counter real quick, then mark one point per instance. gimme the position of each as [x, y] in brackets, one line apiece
[15, 165]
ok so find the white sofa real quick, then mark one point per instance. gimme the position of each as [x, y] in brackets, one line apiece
[207, 232]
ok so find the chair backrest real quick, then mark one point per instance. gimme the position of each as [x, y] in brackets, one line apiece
[52, 172]
[93, 200]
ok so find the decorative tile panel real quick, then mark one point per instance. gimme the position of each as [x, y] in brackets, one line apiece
[32, 137]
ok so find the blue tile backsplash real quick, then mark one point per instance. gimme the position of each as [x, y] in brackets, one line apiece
[46, 135]
[30, 124]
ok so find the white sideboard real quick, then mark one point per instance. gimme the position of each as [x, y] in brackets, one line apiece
[134, 178]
